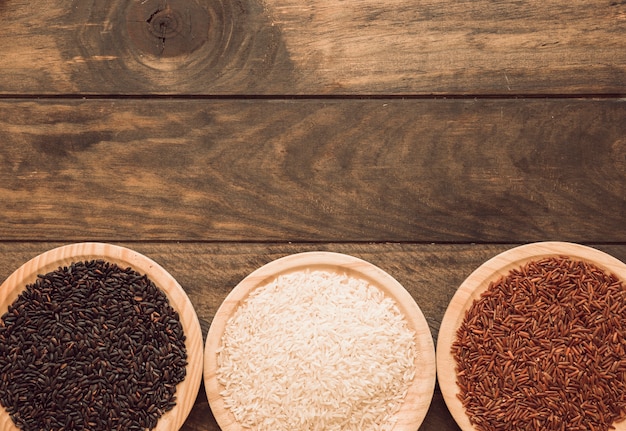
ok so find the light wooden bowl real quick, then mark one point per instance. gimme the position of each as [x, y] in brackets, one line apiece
[420, 393]
[477, 283]
[187, 390]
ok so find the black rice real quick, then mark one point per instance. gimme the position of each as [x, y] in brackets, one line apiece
[90, 346]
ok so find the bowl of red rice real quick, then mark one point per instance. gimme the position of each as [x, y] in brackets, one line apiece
[535, 339]
[319, 341]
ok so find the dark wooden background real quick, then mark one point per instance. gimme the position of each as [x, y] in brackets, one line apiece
[217, 135]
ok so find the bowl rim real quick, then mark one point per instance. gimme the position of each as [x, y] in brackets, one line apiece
[477, 282]
[421, 391]
[50, 260]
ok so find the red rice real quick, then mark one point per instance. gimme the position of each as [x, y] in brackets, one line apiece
[544, 349]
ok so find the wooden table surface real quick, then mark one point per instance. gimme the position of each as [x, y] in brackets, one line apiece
[215, 136]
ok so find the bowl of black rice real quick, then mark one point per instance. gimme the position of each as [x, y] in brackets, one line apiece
[96, 336]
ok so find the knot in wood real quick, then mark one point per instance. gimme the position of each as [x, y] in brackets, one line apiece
[164, 23]
[167, 29]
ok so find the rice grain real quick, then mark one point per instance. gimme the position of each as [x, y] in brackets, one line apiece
[316, 350]
[543, 349]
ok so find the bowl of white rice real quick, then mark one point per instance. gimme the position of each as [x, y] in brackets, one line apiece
[319, 341]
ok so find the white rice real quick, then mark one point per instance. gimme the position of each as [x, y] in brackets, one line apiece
[316, 350]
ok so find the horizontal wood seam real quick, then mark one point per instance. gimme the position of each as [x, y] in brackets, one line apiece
[294, 243]
[235, 97]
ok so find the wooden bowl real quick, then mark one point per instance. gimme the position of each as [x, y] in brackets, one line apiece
[420, 393]
[477, 283]
[187, 390]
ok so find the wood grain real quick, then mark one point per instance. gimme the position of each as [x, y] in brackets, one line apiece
[359, 170]
[243, 47]
[216, 182]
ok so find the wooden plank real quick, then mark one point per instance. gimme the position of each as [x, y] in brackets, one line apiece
[377, 170]
[244, 47]
[208, 271]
